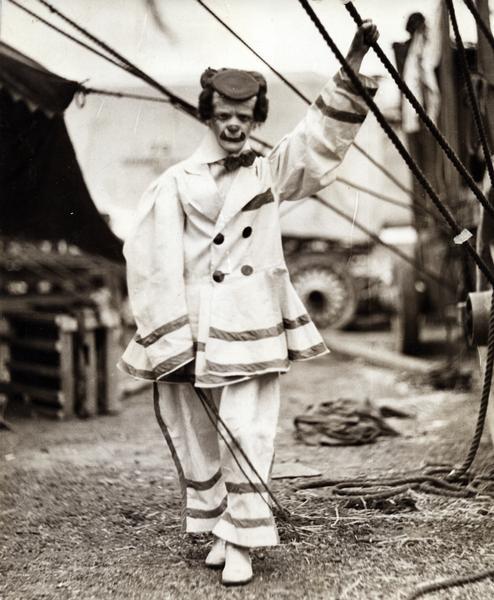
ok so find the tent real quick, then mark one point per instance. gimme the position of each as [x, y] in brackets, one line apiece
[43, 195]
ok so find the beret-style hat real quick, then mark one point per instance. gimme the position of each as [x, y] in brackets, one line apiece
[233, 83]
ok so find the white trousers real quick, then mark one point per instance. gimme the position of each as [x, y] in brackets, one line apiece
[217, 496]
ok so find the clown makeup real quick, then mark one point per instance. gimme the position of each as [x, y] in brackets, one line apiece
[232, 122]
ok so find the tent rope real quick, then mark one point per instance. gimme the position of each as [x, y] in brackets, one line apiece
[487, 156]
[175, 100]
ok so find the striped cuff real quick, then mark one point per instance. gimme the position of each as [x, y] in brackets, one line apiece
[343, 81]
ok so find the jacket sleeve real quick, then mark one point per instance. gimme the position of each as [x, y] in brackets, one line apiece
[301, 163]
[155, 265]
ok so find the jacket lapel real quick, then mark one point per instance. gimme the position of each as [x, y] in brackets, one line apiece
[244, 187]
[203, 191]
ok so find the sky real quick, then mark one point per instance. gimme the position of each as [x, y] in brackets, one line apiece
[278, 29]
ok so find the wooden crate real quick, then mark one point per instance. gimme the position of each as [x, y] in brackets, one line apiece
[40, 360]
[60, 364]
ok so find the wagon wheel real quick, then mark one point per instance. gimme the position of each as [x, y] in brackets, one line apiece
[405, 322]
[327, 291]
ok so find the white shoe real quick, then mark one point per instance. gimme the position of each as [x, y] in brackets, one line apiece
[238, 566]
[216, 556]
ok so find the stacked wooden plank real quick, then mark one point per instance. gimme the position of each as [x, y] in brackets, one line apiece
[59, 329]
[60, 364]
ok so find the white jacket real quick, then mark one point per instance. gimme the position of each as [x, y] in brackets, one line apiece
[217, 291]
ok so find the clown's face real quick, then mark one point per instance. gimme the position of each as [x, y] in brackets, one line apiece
[232, 122]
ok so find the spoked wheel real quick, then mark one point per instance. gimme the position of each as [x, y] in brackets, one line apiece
[327, 291]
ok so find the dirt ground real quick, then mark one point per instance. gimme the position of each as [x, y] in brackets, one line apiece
[90, 509]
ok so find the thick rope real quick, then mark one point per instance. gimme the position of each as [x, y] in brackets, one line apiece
[490, 169]
[467, 76]
[417, 172]
[424, 117]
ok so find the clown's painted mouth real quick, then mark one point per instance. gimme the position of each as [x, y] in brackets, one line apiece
[226, 138]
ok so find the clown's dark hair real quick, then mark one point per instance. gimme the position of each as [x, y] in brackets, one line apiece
[206, 104]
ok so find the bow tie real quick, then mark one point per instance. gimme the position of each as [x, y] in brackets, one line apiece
[245, 159]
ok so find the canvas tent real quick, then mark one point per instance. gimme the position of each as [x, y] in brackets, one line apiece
[43, 195]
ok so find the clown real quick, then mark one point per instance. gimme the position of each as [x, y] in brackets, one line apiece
[213, 301]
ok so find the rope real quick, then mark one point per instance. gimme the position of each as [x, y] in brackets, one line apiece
[86, 91]
[445, 584]
[471, 92]
[405, 90]
[424, 182]
[67, 35]
[367, 490]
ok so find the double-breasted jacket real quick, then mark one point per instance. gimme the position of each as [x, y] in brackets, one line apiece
[211, 294]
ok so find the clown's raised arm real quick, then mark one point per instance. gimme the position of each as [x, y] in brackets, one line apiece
[301, 163]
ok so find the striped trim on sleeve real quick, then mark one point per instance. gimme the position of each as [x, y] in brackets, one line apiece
[339, 115]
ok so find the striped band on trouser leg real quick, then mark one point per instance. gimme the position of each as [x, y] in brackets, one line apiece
[218, 495]
[250, 410]
[193, 442]
[206, 501]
